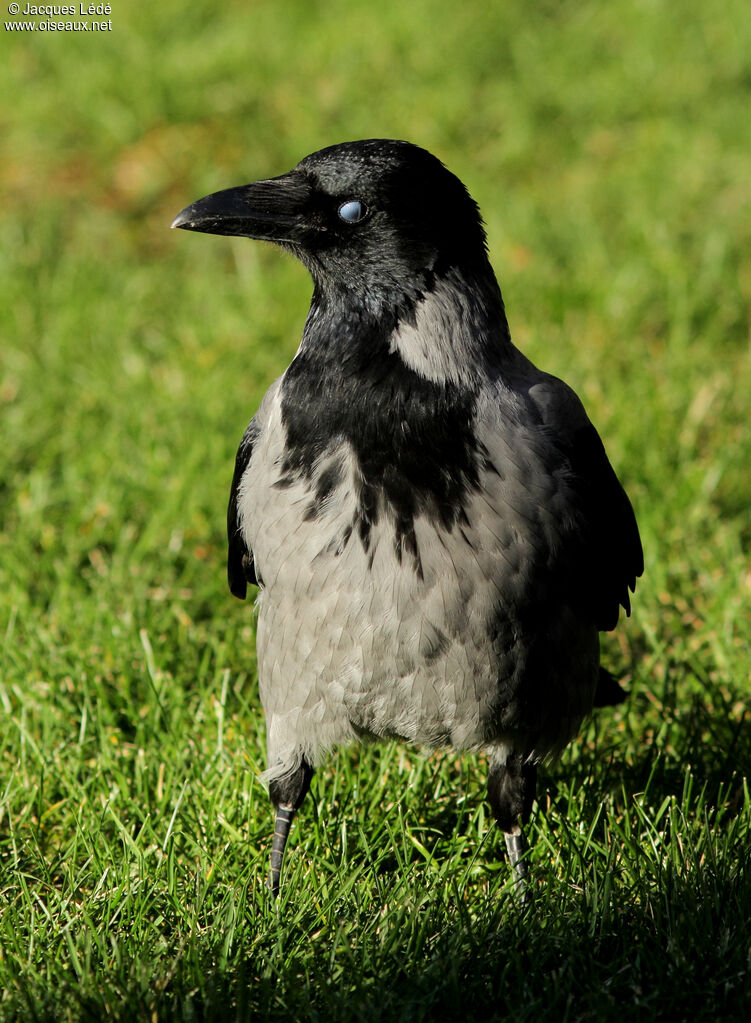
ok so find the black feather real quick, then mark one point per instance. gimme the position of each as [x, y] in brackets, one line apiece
[240, 566]
[413, 439]
[609, 692]
[614, 556]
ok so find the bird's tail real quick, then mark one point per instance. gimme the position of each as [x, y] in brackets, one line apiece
[608, 692]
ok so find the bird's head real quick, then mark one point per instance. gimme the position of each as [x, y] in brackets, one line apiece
[369, 216]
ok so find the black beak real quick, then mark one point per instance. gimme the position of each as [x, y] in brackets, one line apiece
[276, 210]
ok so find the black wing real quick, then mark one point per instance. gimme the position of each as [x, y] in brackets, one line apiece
[615, 557]
[612, 556]
[240, 567]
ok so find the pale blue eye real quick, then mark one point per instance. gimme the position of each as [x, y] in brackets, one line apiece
[352, 211]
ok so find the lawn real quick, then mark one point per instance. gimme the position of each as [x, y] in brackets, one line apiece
[608, 147]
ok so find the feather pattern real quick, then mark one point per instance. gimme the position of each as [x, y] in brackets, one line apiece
[434, 526]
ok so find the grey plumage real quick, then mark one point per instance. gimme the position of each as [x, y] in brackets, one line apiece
[433, 523]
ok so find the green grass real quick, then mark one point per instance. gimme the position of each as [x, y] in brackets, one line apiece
[608, 147]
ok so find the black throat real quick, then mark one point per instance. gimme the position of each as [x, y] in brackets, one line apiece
[411, 437]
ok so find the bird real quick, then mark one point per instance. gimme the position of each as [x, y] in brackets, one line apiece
[434, 527]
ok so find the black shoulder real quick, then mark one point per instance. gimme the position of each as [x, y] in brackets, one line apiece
[240, 567]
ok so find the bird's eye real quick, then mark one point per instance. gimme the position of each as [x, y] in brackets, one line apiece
[352, 211]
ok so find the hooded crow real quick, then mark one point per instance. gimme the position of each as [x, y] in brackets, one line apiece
[434, 527]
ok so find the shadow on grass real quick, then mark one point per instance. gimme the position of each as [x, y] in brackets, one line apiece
[661, 932]
[705, 733]
[680, 954]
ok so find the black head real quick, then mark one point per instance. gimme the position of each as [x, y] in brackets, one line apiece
[361, 215]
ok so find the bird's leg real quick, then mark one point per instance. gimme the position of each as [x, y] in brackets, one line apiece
[287, 794]
[511, 791]
[516, 846]
[284, 817]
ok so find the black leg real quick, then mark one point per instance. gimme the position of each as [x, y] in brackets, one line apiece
[511, 792]
[284, 816]
[287, 794]
[516, 846]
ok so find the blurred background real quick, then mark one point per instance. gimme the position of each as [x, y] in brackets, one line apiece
[608, 148]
